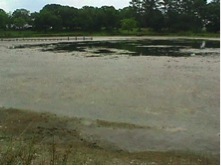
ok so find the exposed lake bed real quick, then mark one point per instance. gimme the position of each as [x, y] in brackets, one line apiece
[145, 47]
[174, 98]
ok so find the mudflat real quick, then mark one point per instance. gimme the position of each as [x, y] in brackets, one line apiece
[175, 101]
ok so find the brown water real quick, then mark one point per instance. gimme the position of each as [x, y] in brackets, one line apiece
[176, 98]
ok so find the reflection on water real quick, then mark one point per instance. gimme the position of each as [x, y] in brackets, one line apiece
[174, 48]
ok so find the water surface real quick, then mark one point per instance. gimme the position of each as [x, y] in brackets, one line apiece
[173, 48]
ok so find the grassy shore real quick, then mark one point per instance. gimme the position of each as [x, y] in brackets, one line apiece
[142, 32]
[42, 138]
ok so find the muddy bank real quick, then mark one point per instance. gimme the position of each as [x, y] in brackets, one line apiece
[175, 100]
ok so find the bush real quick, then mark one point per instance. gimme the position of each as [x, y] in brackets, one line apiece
[128, 24]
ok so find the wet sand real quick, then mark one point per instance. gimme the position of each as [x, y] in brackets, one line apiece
[176, 100]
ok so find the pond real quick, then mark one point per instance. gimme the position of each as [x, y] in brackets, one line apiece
[176, 100]
[173, 48]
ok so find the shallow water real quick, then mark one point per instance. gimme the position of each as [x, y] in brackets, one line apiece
[177, 98]
[172, 48]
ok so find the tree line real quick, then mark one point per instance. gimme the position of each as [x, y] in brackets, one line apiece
[157, 15]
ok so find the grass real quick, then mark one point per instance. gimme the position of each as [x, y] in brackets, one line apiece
[41, 138]
[120, 32]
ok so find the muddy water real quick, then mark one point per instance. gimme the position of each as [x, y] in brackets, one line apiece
[177, 99]
[173, 48]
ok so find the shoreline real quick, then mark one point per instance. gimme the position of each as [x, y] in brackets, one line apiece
[116, 36]
[64, 134]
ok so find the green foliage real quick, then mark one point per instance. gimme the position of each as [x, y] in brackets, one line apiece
[110, 17]
[213, 16]
[175, 16]
[20, 18]
[128, 24]
[164, 16]
[19, 22]
[49, 18]
[89, 19]
[126, 13]
[3, 19]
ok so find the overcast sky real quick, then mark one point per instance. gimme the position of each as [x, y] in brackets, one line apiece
[36, 5]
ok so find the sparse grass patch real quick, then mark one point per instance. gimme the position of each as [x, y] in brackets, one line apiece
[41, 138]
[17, 152]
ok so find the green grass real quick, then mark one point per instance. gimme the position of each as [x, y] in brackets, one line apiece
[135, 32]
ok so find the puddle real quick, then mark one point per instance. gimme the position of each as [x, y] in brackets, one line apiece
[172, 48]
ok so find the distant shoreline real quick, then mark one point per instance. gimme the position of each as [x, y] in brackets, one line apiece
[50, 39]
[33, 34]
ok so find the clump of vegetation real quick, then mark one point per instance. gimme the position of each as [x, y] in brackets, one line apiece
[128, 24]
[17, 152]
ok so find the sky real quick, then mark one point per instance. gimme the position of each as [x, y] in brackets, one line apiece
[37, 5]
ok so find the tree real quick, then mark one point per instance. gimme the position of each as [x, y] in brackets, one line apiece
[3, 19]
[90, 18]
[171, 12]
[192, 12]
[33, 17]
[49, 18]
[156, 20]
[46, 20]
[69, 16]
[213, 16]
[137, 10]
[19, 23]
[184, 15]
[158, 15]
[148, 14]
[177, 15]
[126, 12]
[20, 18]
[110, 18]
